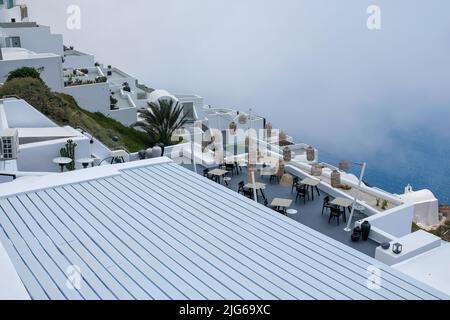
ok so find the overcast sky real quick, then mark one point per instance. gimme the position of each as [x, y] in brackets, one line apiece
[311, 67]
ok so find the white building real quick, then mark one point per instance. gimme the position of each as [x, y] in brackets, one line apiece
[49, 65]
[12, 12]
[31, 36]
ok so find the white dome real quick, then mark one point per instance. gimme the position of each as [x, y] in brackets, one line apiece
[157, 95]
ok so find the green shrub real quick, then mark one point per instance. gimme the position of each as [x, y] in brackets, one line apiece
[24, 72]
[63, 110]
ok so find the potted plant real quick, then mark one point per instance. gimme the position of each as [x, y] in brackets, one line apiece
[385, 205]
[378, 202]
[365, 230]
[126, 87]
[113, 103]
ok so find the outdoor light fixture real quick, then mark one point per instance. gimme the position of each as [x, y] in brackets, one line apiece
[361, 177]
[397, 248]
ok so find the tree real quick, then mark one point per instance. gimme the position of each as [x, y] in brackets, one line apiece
[25, 72]
[161, 119]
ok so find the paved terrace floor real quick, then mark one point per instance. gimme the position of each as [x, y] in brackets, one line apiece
[309, 214]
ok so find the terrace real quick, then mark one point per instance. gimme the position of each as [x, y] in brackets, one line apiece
[309, 213]
[84, 76]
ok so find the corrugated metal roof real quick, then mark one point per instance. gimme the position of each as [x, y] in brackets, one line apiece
[162, 232]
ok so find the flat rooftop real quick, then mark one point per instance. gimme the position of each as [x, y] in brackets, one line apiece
[154, 230]
[22, 54]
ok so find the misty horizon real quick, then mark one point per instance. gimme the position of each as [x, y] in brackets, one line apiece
[312, 68]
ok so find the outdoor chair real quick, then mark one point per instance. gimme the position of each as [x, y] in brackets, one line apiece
[326, 204]
[301, 193]
[207, 175]
[241, 187]
[295, 183]
[336, 213]
[230, 168]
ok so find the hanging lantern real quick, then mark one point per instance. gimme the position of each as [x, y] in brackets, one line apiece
[233, 126]
[343, 165]
[397, 248]
[287, 154]
[242, 118]
[310, 154]
[335, 179]
[316, 170]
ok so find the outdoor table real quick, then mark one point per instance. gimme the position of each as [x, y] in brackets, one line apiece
[312, 183]
[281, 203]
[342, 203]
[85, 162]
[259, 188]
[218, 173]
[62, 162]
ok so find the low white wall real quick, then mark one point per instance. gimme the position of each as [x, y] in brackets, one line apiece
[126, 116]
[79, 61]
[391, 224]
[19, 114]
[91, 97]
[37, 157]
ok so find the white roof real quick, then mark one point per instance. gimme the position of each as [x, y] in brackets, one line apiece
[11, 286]
[50, 132]
[22, 54]
[154, 230]
[430, 267]
[156, 95]
[418, 196]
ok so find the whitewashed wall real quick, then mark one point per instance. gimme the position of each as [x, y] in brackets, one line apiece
[126, 116]
[37, 39]
[37, 157]
[79, 61]
[51, 74]
[91, 97]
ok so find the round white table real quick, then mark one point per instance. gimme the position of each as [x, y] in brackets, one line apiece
[62, 162]
[291, 212]
[85, 162]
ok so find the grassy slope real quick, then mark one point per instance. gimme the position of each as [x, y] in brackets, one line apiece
[63, 110]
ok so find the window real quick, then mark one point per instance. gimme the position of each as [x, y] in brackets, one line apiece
[13, 42]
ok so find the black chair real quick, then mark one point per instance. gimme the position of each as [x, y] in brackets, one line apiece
[241, 187]
[206, 174]
[248, 193]
[295, 183]
[230, 168]
[238, 167]
[336, 213]
[327, 205]
[301, 193]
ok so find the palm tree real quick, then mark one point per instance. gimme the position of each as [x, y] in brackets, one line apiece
[161, 119]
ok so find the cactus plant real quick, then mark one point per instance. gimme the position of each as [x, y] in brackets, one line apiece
[69, 152]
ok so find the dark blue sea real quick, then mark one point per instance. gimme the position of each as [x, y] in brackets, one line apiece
[422, 160]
